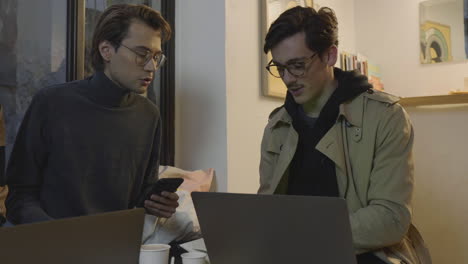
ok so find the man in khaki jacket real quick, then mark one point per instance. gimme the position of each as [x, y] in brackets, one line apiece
[335, 136]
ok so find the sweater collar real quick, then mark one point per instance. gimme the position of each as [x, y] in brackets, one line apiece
[105, 92]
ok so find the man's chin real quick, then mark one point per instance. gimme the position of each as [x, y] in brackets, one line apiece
[141, 90]
[299, 100]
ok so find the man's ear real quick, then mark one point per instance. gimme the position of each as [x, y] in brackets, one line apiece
[332, 55]
[106, 50]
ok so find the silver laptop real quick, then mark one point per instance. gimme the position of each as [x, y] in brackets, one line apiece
[103, 238]
[274, 229]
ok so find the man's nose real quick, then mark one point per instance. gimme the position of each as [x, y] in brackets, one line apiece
[288, 78]
[151, 65]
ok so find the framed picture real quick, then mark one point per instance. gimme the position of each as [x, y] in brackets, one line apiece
[272, 86]
[436, 43]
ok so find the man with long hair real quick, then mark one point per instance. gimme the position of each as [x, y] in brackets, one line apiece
[92, 146]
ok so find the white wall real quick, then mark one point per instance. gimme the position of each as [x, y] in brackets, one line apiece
[388, 33]
[247, 108]
[344, 10]
[440, 154]
[200, 125]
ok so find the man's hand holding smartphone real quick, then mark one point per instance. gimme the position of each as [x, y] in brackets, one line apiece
[161, 199]
[163, 205]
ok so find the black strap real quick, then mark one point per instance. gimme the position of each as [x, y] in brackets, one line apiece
[368, 258]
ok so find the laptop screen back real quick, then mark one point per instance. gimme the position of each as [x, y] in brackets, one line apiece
[274, 229]
[103, 238]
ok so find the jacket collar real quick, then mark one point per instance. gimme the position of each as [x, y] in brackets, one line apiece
[351, 111]
[279, 115]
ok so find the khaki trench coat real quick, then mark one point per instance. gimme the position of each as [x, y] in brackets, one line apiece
[370, 144]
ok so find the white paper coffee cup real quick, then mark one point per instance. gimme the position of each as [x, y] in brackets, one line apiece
[154, 254]
[194, 258]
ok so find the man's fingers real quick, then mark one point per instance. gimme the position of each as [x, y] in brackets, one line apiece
[165, 200]
[158, 209]
[164, 205]
[158, 213]
[159, 206]
[170, 195]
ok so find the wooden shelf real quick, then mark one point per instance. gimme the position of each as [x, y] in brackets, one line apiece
[435, 100]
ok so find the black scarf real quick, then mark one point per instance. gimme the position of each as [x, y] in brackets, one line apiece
[311, 172]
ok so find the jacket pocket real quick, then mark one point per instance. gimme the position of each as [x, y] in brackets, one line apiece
[274, 145]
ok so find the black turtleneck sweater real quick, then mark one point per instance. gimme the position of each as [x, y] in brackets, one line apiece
[83, 147]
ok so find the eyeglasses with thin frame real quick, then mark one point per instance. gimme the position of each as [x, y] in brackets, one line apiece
[143, 57]
[296, 68]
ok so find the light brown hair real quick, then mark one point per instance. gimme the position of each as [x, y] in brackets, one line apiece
[113, 26]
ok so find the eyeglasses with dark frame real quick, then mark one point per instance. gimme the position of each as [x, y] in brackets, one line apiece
[296, 68]
[142, 59]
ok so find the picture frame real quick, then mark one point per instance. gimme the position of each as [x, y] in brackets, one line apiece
[435, 42]
[271, 9]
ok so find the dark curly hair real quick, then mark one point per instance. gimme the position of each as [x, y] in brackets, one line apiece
[320, 28]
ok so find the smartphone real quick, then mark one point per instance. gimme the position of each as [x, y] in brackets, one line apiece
[165, 184]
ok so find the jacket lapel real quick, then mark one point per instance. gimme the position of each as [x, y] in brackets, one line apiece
[331, 145]
[288, 148]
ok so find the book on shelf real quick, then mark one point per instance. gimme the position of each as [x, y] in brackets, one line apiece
[375, 77]
[359, 62]
[349, 62]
